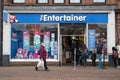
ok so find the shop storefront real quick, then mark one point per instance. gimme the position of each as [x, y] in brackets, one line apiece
[59, 32]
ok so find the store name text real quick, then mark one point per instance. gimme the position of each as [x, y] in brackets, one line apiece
[62, 18]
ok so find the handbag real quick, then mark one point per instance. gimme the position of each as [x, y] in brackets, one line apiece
[41, 63]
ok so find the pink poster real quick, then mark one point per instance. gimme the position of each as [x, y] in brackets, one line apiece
[26, 40]
[46, 39]
[36, 37]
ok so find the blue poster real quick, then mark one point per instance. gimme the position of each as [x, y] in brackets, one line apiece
[91, 39]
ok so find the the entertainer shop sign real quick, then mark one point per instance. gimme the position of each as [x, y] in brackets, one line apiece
[61, 18]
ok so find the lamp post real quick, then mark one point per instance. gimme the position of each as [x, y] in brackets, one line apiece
[1, 31]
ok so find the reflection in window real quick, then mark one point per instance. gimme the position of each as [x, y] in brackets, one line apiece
[26, 39]
[18, 1]
[42, 1]
[58, 1]
[75, 1]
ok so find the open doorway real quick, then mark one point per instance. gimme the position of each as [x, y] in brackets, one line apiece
[72, 36]
[69, 43]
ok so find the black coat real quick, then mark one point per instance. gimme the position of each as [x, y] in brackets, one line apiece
[93, 56]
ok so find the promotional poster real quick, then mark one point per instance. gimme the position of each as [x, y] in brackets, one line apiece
[36, 37]
[26, 40]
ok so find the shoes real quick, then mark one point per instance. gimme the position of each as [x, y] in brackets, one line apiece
[46, 69]
[36, 68]
[118, 66]
[78, 65]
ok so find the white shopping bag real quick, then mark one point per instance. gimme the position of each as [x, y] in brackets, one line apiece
[40, 64]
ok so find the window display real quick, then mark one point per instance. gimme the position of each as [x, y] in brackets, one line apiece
[26, 39]
[100, 31]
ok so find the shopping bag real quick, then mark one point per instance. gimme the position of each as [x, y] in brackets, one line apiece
[40, 64]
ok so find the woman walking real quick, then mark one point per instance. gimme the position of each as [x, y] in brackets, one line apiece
[43, 56]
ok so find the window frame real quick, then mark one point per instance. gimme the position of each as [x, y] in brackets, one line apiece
[75, 2]
[99, 2]
[37, 1]
[18, 2]
[58, 3]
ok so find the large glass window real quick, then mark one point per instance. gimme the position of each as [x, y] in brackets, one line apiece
[26, 39]
[42, 1]
[100, 31]
[58, 1]
[75, 1]
[99, 1]
[18, 1]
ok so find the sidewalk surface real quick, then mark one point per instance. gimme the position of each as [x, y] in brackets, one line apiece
[59, 73]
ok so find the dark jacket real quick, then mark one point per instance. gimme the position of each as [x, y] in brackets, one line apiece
[43, 53]
[99, 48]
[93, 56]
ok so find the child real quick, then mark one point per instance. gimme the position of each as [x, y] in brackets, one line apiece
[93, 57]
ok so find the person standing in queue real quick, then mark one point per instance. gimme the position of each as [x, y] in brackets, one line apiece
[99, 52]
[43, 56]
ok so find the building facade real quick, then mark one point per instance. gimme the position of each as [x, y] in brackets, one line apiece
[63, 26]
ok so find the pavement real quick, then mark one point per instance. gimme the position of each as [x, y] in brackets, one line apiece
[59, 73]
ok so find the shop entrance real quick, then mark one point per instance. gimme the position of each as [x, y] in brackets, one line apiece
[72, 37]
[69, 43]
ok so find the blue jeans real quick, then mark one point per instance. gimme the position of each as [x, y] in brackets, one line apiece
[82, 60]
[79, 60]
[99, 61]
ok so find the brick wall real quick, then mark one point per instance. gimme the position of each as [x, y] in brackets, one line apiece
[84, 2]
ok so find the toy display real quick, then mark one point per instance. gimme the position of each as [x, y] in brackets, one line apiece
[29, 41]
[19, 54]
[25, 53]
[35, 55]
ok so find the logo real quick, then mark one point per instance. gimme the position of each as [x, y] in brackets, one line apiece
[13, 18]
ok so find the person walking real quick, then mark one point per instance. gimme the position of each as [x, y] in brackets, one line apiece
[43, 56]
[118, 51]
[99, 52]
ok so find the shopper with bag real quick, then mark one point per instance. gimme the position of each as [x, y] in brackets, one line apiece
[43, 56]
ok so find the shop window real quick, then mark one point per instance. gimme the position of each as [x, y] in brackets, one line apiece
[99, 1]
[97, 32]
[58, 1]
[18, 1]
[75, 1]
[26, 39]
[42, 1]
